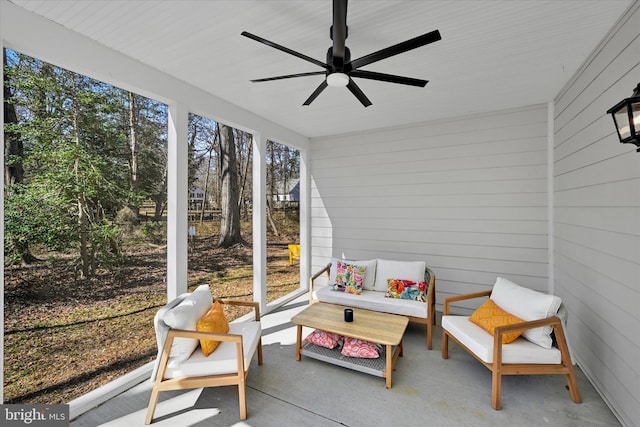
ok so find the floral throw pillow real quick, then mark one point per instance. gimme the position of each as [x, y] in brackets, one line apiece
[349, 278]
[323, 338]
[406, 289]
[354, 347]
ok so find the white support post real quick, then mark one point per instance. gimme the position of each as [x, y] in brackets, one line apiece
[550, 197]
[305, 220]
[177, 221]
[259, 221]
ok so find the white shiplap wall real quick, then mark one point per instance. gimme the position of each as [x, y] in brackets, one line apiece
[597, 220]
[468, 196]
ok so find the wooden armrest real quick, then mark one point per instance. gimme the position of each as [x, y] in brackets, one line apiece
[325, 269]
[431, 290]
[463, 297]
[549, 321]
[254, 304]
[432, 278]
[217, 336]
[554, 321]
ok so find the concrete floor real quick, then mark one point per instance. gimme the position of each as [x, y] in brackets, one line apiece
[427, 391]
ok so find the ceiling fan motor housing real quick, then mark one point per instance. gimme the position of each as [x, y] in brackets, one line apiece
[345, 67]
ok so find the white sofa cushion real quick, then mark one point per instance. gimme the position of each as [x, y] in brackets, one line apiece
[369, 273]
[373, 300]
[185, 316]
[407, 270]
[527, 304]
[162, 329]
[226, 361]
[480, 342]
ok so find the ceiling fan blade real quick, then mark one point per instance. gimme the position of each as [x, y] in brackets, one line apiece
[284, 49]
[339, 32]
[396, 49]
[316, 92]
[288, 76]
[353, 87]
[391, 78]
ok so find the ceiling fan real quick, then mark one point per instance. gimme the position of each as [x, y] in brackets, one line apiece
[340, 68]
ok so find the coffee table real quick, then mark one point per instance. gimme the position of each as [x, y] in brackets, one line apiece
[380, 328]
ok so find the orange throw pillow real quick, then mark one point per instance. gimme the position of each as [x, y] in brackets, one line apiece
[213, 321]
[489, 316]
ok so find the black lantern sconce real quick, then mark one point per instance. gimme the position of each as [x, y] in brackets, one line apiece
[626, 116]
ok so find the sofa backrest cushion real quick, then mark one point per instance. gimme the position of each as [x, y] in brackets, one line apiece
[527, 304]
[185, 316]
[369, 274]
[403, 270]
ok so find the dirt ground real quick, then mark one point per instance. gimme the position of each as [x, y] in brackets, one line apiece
[65, 337]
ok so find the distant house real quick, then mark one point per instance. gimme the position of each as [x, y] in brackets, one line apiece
[289, 193]
[196, 198]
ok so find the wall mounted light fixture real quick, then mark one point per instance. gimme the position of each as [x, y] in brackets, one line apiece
[626, 116]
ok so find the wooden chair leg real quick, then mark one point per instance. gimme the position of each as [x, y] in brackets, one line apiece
[260, 351]
[445, 345]
[566, 361]
[152, 405]
[496, 386]
[573, 387]
[433, 313]
[429, 336]
[242, 400]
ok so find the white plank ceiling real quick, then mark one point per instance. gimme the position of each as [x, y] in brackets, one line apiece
[493, 54]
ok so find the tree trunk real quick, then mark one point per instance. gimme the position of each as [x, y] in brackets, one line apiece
[272, 188]
[244, 181]
[272, 223]
[81, 203]
[160, 198]
[133, 145]
[13, 148]
[285, 183]
[230, 215]
[206, 184]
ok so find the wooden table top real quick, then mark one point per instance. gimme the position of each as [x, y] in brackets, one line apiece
[381, 328]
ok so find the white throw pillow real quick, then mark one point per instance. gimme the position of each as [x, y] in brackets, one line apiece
[369, 273]
[403, 270]
[527, 304]
[185, 316]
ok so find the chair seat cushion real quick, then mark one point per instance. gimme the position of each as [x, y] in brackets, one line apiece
[480, 342]
[221, 361]
[373, 300]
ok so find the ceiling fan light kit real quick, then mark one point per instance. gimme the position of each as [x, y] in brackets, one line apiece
[337, 79]
[340, 69]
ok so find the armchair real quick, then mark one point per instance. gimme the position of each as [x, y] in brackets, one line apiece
[531, 353]
[181, 364]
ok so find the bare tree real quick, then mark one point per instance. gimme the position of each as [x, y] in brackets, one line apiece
[205, 197]
[271, 181]
[230, 209]
[13, 148]
[133, 146]
[246, 147]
